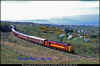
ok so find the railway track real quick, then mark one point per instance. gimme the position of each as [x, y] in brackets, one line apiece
[70, 54]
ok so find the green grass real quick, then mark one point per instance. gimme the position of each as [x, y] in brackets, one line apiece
[81, 47]
[9, 56]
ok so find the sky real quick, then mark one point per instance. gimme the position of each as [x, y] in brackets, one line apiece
[26, 10]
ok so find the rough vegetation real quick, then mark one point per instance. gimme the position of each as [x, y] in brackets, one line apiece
[12, 47]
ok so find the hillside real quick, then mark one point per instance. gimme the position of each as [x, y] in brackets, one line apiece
[13, 47]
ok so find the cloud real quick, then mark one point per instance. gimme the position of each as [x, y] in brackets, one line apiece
[21, 10]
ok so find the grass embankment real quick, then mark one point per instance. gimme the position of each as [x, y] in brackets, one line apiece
[15, 47]
[11, 51]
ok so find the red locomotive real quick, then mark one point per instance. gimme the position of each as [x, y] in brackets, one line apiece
[45, 42]
[60, 45]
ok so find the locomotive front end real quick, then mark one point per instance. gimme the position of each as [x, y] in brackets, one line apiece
[69, 48]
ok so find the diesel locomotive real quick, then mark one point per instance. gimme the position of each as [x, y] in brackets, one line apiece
[49, 43]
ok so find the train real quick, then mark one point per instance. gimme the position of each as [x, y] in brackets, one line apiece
[45, 42]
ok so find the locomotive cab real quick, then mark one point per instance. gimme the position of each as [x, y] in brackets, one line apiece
[46, 42]
[70, 48]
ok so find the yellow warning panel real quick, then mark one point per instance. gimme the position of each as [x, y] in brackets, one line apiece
[55, 45]
[70, 48]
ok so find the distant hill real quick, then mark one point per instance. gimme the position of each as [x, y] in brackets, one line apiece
[81, 19]
[41, 21]
[76, 20]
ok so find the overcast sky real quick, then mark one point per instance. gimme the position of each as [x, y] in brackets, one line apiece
[21, 10]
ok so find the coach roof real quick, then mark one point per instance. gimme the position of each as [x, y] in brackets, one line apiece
[37, 38]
